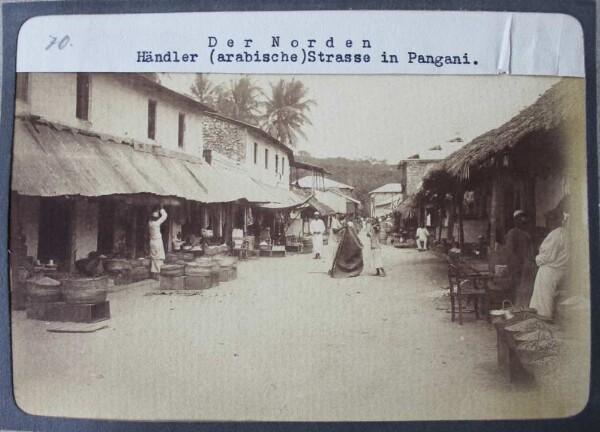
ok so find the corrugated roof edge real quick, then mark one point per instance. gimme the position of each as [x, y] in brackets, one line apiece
[136, 145]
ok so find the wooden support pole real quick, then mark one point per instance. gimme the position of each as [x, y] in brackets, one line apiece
[440, 224]
[496, 211]
[459, 203]
[134, 231]
[451, 218]
[529, 198]
[72, 236]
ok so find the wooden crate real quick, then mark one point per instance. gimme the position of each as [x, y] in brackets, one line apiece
[65, 312]
[294, 247]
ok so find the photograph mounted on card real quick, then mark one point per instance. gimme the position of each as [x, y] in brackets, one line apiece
[307, 216]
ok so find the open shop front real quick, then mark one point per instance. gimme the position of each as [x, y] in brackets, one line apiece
[516, 237]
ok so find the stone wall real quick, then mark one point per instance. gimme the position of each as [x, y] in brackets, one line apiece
[415, 171]
[225, 138]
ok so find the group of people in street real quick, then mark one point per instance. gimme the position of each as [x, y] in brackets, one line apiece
[344, 233]
[534, 279]
[538, 289]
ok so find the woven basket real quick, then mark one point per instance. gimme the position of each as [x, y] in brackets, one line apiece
[188, 257]
[85, 290]
[199, 269]
[116, 264]
[172, 270]
[42, 293]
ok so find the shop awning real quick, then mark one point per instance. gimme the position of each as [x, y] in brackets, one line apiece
[313, 202]
[50, 160]
[282, 198]
[321, 207]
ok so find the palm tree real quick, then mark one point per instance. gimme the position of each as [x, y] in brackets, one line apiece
[285, 111]
[239, 100]
[204, 90]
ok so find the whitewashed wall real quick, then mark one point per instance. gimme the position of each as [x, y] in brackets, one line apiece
[279, 178]
[118, 107]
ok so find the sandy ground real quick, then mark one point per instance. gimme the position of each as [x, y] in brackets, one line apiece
[282, 342]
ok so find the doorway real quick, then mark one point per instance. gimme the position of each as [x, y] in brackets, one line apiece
[53, 230]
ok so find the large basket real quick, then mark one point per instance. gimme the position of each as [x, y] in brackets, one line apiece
[188, 256]
[172, 270]
[116, 264]
[85, 290]
[39, 292]
[199, 269]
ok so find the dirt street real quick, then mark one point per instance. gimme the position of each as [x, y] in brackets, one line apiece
[282, 342]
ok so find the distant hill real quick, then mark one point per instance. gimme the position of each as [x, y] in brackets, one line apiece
[364, 174]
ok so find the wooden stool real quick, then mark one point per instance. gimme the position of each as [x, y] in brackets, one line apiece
[459, 273]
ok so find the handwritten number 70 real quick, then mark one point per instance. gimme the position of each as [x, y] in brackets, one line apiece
[59, 43]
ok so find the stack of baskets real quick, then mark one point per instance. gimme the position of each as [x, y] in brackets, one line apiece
[200, 274]
[91, 290]
[172, 277]
[120, 270]
[71, 290]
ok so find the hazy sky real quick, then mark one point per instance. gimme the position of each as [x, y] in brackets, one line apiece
[393, 116]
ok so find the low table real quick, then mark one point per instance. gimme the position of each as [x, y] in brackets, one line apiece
[65, 312]
[508, 361]
[280, 252]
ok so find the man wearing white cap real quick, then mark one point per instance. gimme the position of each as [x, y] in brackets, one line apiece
[519, 253]
[317, 228]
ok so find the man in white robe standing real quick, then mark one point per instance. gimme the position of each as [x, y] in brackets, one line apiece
[317, 228]
[552, 260]
[157, 250]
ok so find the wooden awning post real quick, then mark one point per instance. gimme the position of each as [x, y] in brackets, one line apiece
[529, 198]
[459, 202]
[72, 235]
[496, 211]
[134, 231]
[451, 218]
[440, 224]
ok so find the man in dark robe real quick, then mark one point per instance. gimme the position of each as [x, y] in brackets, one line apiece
[348, 261]
[519, 253]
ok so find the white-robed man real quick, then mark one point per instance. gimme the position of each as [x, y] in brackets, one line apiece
[552, 260]
[157, 250]
[317, 228]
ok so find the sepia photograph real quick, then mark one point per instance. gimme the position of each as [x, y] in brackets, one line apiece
[193, 247]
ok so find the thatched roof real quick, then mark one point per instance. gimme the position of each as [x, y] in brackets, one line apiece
[559, 104]
[408, 206]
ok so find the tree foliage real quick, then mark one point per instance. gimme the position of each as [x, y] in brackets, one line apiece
[285, 111]
[239, 100]
[364, 175]
[205, 90]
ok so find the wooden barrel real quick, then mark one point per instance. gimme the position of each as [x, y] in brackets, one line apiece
[85, 290]
[198, 276]
[215, 269]
[172, 270]
[227, 269]
[140, 273]
[43, 290]
[307, 245]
